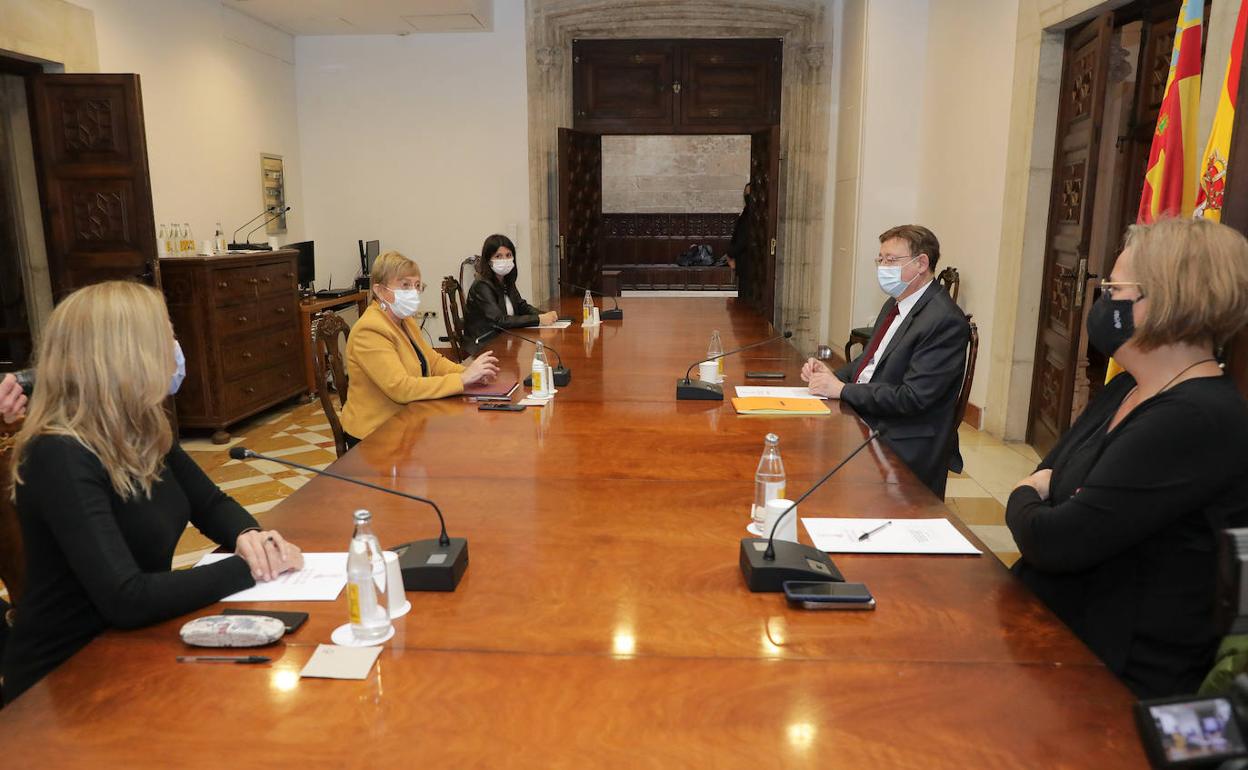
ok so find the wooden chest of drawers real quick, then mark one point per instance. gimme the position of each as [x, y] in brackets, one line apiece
[237, 317]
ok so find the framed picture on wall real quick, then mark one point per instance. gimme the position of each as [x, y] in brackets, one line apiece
[273, 188]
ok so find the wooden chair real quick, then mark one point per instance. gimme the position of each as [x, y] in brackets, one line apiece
[968, 378]
[330, 367]
[453, 305]
[948, 279]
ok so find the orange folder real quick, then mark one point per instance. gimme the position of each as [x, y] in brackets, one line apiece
[763, 405]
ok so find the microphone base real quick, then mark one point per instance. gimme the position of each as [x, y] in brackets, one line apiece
[249, 247]
[793, 561]
[562, 376]
[428, 566]
[697, 390]
[615, 314]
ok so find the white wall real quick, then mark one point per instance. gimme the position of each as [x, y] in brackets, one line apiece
[418, 141]
[218, 90]
[964, 132]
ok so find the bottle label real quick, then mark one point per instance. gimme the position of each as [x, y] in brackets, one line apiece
[353, 602]
[585, 313]
[537, 380]
[721, 369]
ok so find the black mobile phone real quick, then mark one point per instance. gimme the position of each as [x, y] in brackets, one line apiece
[26, 381]
[1189, 731]
[500, 406]
[764, 375]
[292, 620]
[829, 596]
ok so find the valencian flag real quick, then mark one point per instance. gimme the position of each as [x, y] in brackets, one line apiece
[1212, 183]
[1170, 183]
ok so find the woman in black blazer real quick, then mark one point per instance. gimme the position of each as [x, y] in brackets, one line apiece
[1118, 526]
[494, 298]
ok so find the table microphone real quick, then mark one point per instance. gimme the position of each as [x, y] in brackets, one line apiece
[427, 565]
[766, 564]
[562, 375]
[697, 390]
[242, 246]
[614, 314]
[276, 213]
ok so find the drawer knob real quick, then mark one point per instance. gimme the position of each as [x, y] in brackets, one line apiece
[249, 390]
[285, 343]
[253, 281]
[242, 319]
[223, 285]
[290, 275]
[247, 354]
[281, 309]
[268, 280]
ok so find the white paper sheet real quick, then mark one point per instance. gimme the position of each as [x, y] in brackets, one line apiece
[555, 325]
[932, 536]
[767, 391]
[334, 662]
[321, 580]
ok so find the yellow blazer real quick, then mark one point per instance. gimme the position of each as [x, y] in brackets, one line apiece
[384, 372]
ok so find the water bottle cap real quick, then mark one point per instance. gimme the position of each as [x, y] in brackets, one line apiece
[772, 438]
[362, 516]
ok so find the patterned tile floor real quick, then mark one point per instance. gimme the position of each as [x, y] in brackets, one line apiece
[297, 432]
[300, 433]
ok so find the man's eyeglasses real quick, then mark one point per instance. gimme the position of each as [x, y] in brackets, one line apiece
[891, 261]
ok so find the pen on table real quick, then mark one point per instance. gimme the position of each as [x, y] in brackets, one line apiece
[866, 535]
[223, 659]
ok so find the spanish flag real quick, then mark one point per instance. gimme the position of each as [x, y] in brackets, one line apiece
[1212, 182]
[1170, 183]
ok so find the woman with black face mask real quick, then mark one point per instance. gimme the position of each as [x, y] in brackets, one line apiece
[1118, 525]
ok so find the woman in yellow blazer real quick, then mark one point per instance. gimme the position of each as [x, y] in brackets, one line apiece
[388, 362]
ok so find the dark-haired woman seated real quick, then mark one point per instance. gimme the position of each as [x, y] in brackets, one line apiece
[1118, 526]
[494, 299]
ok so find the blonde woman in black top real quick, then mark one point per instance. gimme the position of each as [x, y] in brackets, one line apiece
[1117, 527]
[104, 492]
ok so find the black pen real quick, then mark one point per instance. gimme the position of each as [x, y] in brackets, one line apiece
[223, 659]
[866, 535]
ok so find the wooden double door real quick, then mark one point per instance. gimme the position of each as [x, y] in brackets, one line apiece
[1099, 162]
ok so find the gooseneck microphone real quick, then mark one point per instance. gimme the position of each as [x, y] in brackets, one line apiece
[767, 564]
[427, 565]
[614, 314]
[562, 375]
[696, 390]
[276, 213]
[235, 245]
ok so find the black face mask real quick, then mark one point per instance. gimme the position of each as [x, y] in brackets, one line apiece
[1110, 323]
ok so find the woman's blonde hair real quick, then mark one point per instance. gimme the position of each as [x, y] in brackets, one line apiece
[391, 266]
[1195, 275]
[104, 364]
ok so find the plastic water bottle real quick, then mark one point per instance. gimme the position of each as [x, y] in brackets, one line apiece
[162, 241]
[768, 480]
[541, 380]
[171, 241]
[367, 602]
[714, 349]
[587, 308]
[219, 240]
[188, 240]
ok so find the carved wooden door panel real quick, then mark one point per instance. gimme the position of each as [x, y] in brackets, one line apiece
[1064, 288]
[624, 85]
[91, 156]
[764, 215]
[729, 83]
[580, 210]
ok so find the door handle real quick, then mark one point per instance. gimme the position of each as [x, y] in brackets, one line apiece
[1081, 281]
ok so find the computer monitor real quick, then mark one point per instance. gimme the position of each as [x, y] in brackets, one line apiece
[368, 255]
[307, 262]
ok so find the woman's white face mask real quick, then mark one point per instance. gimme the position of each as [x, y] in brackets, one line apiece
[502, 266]
[406, 302]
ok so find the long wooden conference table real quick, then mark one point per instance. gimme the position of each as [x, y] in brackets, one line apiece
[603, 620]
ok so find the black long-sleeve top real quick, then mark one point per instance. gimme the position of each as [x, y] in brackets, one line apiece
[95, 561]
[1124, 549]
[486, 306]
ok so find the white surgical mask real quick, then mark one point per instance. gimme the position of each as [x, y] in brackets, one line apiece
[406, 302]
[179, 371]
[502, 266]
[889, 277]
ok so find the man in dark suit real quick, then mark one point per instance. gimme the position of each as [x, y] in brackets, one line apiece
[908, 377]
